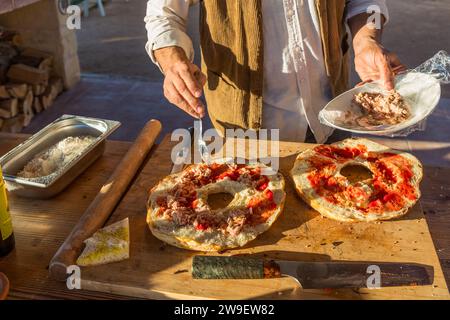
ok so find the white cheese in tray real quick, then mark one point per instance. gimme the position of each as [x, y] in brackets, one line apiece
[56, 157]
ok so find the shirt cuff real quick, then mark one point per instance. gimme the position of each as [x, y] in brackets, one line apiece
[355, 7]
[168, 39]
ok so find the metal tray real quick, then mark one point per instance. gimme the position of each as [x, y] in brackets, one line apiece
[63, 127]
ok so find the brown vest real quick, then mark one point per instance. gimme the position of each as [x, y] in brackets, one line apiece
[233, 54]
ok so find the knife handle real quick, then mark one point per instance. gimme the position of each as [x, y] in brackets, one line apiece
[221, 267]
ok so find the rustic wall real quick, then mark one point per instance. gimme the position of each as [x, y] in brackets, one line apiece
[9, 5]
[43, 27]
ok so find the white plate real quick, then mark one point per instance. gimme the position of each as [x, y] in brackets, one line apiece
[421, 91]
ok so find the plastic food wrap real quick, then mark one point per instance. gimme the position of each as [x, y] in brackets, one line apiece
[438, 66]
[420, 88]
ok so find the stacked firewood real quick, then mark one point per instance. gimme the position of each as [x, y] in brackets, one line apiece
[27, 83]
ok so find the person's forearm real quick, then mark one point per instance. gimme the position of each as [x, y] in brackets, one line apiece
[166, 23]
[171, 48]
[168, 56]
[362, 31]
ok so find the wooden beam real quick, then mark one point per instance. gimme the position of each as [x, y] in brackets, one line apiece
[37, 105]
[4, 66]
[9, 108]
[4, 94]
[17, 90]
[45, 58]
[8, 50]
[26, 108]
[13, 125]
[27, 60]
[25, 74]
[46, 100]
[55, 86]
[38, 89]
[32, 52]
[58, 83]
[45, 64]
[4, 114]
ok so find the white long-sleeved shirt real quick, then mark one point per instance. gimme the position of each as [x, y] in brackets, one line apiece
[296, 86]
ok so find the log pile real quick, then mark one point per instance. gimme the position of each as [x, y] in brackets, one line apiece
[28, 84]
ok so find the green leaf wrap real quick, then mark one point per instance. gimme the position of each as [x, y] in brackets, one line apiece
[213, 267]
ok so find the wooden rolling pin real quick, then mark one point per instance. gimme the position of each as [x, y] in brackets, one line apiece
[105, 202]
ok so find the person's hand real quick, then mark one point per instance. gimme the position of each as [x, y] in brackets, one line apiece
[375, 63]
[372, 61]
[183, 82]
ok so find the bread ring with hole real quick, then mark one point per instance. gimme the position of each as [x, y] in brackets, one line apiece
[389, 193]
[178, 211]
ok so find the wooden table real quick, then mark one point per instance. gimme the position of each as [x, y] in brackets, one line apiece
[41, 225]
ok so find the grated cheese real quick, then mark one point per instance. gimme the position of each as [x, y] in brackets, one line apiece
[56, 157]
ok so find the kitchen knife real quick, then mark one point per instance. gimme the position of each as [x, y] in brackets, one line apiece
[183, 153]
[313, 275]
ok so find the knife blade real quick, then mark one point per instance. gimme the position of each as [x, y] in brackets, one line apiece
[314, 275]
[183, 153]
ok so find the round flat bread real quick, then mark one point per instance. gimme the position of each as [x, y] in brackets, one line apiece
[388, 192]
[178, 211]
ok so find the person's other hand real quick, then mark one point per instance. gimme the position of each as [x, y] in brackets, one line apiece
[183, 82]
[374, 63]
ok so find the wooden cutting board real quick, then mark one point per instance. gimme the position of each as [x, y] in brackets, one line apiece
[157, 270]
